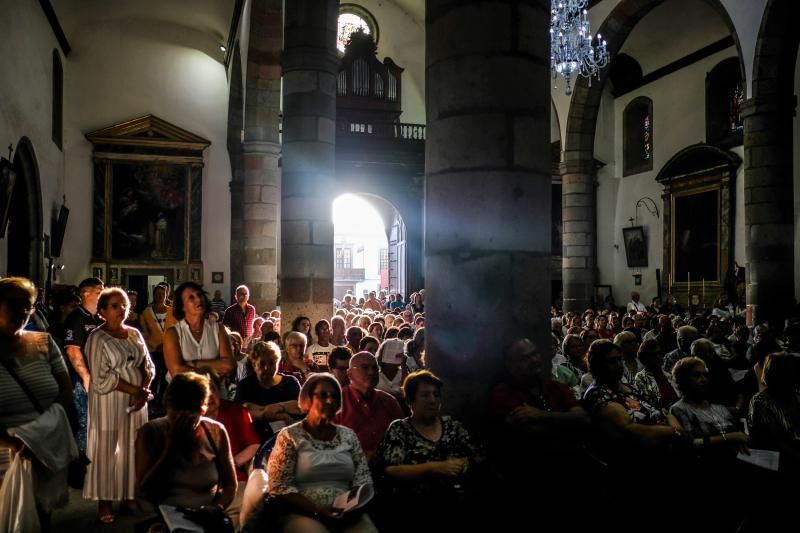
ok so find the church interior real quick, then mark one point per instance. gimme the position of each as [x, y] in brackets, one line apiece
[205, 141]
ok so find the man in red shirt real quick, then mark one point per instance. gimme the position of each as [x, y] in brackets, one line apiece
[365, 410]
[239, 317]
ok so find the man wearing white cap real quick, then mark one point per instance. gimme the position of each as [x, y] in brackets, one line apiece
[393, 369]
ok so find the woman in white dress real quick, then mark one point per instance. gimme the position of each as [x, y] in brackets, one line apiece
[121, 372]
[195, 340]
[314, 461]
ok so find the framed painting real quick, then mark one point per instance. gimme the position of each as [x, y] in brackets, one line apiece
[635, 246]
[148, 211]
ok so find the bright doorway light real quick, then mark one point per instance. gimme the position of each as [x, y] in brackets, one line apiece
[360, 247]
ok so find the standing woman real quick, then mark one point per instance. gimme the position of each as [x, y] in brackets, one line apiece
[195, 340]
[31, 358]
[122, 371]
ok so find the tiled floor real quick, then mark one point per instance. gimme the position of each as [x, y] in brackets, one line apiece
[81, 516]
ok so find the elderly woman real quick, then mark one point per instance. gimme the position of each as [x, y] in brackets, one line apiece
[415, 351]
[195, 340]
[713, 424]
[572, 370]
[184, 459]
[314, 461]
[294, 361]
[270, 396]
[424, 457]
[33, 379]
[619, 410]
[121, 374]
[652, 382]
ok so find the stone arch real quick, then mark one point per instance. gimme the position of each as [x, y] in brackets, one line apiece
[579, 264]
[397, 238]
[25, 231]
[769, 220]
[387, 195]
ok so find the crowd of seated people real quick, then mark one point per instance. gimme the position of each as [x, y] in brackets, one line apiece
[171, 406]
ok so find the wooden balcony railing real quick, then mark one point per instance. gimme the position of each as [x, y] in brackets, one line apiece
[381, 130]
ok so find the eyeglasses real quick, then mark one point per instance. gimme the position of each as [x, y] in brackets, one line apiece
[325, 395]
[368, 368]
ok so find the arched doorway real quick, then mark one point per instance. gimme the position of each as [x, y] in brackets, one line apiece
[369, 246]
[25, 233]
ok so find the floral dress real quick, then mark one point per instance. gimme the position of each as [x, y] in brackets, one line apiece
[639, 410]
[319, 470]
[403, 445]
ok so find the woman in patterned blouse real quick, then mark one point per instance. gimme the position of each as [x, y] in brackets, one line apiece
[620, 411]
[314, 461]
[424, 457]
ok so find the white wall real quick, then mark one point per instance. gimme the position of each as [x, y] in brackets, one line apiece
[678, 121]
[121, 69]
[402, 38]
[26, 72]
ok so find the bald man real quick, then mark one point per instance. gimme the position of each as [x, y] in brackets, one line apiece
[366, 410]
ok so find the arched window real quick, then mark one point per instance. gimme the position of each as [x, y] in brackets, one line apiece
[352, 18]
[58, 100]
[724, 98]
[637, 136]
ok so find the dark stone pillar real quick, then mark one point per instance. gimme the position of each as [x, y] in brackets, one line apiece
[768, 209]
[580, 233]
[260, 196]
[487, 190]
[310, 65]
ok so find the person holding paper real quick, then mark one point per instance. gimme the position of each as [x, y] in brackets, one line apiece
[774, 415]
[314, 462]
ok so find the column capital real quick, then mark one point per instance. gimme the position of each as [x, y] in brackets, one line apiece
[261, 147]
[759, 106]
[578, 166]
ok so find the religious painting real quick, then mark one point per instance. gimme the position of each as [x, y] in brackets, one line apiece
[195, 274]
[98, 273]
[697, 221]
[148, 211]
[217, 277]
[635, 246]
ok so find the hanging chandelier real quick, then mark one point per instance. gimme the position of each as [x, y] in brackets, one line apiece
[571, 49]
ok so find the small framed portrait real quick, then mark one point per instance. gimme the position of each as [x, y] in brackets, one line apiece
[217, 277]
[601, 294]
[195, 274]
[113, 276]
[180, 275]
[635, 246]
[97, 272]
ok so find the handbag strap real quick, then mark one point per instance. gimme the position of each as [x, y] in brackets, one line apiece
[211, 441]
[22, 385]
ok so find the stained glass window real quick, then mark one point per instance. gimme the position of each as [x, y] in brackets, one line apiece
[348, 23]
[646, 146]
[735, 100]
[637, 136]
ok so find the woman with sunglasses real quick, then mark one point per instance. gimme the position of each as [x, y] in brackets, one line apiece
[33, 377]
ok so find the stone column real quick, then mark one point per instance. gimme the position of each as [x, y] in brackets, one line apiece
[310, 65]
[260, 205]
[580, 233]
[768, 209]
[487, 190]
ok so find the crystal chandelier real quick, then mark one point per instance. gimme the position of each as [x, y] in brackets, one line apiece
[571, 50]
